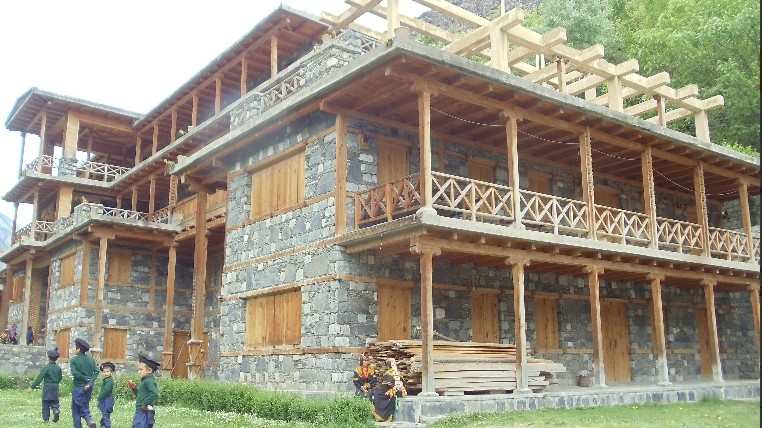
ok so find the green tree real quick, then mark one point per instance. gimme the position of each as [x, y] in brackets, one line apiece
[712, 43]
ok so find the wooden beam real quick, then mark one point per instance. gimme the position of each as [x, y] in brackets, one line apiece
[702, 214]
[169, 307]
[711, 317]
[520, 323]
[427, 254]
[350, 15]
[273, 55]
[662, 369]
[754, 296]
[599, 371]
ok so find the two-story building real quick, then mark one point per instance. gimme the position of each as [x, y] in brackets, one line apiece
[320, 186]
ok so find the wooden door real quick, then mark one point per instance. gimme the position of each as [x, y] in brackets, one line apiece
[616, 342]
[392, 163]
[180, 354]
[484, 318]
[705, 350]
[393, 313]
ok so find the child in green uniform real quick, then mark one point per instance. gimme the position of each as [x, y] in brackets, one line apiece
[84, 371]
[106, 396]
[146, 394]
[51, 377]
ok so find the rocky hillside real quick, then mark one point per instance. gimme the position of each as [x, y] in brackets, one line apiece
[486, 8]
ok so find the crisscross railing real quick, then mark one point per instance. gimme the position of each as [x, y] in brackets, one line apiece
[388, 201]
[755, 248]
[728, 244]
[553, 212]
[472, 199]
[626, 227]
[100, 171]
[679, 236]
[36, 166]
[37, 231]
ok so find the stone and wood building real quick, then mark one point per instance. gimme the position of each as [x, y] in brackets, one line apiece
[320, 186]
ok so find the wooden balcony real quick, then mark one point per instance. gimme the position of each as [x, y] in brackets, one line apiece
[96, 171]
[478, 201]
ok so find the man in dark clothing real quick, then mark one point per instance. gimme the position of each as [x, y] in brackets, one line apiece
[29, 335]
[84, 371]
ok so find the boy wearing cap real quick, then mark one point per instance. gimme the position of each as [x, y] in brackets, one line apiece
[106, 396]
[84, 371]
[51, 377]
[146, 394]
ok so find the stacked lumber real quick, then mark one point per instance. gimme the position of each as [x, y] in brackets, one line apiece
[466, 367]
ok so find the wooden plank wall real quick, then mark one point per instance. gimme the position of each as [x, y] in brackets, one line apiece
[274, 319]
[114, 343]
[394, 320]
[119, 266]
[485, 317]
[546, 322]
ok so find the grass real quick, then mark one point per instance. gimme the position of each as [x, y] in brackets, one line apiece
[23, 409]
[712, 413]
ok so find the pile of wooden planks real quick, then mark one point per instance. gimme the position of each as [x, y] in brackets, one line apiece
[465, 367]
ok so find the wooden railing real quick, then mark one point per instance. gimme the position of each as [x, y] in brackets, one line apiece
[626, 227]
[474, 200]
[36, 231]
[84, 169]
[36, 166]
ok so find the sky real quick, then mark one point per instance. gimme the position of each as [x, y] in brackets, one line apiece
[125, 54]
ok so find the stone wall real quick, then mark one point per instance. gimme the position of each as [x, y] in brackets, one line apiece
[22, 359]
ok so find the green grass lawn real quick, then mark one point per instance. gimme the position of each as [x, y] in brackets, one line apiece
[708, 413]
[24, 409]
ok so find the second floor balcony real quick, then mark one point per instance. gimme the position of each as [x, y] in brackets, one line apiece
[72, 167]
[478, 201]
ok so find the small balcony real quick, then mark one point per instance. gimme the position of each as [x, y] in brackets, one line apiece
[478, 201]
[72, 167]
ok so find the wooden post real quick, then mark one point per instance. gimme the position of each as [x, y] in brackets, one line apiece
[273, 56]
[194, 110]
[520, 324]
[15, 218]
[35, 205]
[84, 278]
[661, 107]
[743, 196]
[511, 132]
[173, 127]
[341, 173]
[615, 98]
[702, 125]
[152, 195]
[560, 73]
[588, 189]
[711, 317]
[499, 48]
[195, 371]
[754, 296]
[701, 210]
[138, 148]
[63, 205]
[217, 95]
[649, 195]
[424, 136]
[102, 254]
[244, 75]
[27, 295]
[599, 371]
[169, 315]
[155, 143]
[21, 156]
[7, 291]
[427, 254]
[71, 135]
[662, 369]
[43, 125]
[134, 199]
[392, 17]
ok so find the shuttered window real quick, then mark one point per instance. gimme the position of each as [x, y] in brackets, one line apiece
[278, 185]
[67, 270]
[274, 319]
[62, 342]
[546, 320]
[393, 313]
[119, 266]
[114, 344]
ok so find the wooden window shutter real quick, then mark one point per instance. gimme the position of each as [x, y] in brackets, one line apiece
[546, 322]
[485, 320]
[62, 342]
[67, 270]
[119, 266]
[278, 185]
[394, 320]
[274, 319]
[114, 344]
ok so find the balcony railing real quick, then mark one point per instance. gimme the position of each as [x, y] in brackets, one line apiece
[64, 166]
[41, 231]
[479, 201]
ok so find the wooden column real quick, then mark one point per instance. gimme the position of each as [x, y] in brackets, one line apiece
[169, 314]
[35, 205]
[424, 140]
[195, 371]
[63, 204]
[27, 297]
[427, 254]
[711, 317]
[7, 291]
[702, 125]
[615, 98]
[661, 108]
[43, 125]
[15, 218]
[155, 142]
[511, 133]
[152, 195]
[392, 17]
[520, 323]
[84, 278]
[194, 109]
[217, 95]
[743, 196]
[102, 255]
[560, 74]
[599, 372]
[71, 135]
[662, 369]
[588, 190]
[134, 199]
[701, 210]
[273, 56]
[649, 195]
[341, 173]
[138, 149]
[173, 127]
[21, 155]
[499, 48]
[244, 75]
[754, 296]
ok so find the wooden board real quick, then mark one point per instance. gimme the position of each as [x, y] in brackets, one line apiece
[394, 309]
[114, 344]
[616, 342]
[705, 350]
[485, 317]
[546, 321]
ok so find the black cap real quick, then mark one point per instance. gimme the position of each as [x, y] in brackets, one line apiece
[108, 365]
[81, 344]
[53, 353]
[150, 363]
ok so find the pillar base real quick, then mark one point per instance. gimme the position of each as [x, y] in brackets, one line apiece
[426, 211]
[522, 392]
[428, 394]
[667, 383]
[517, 226]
